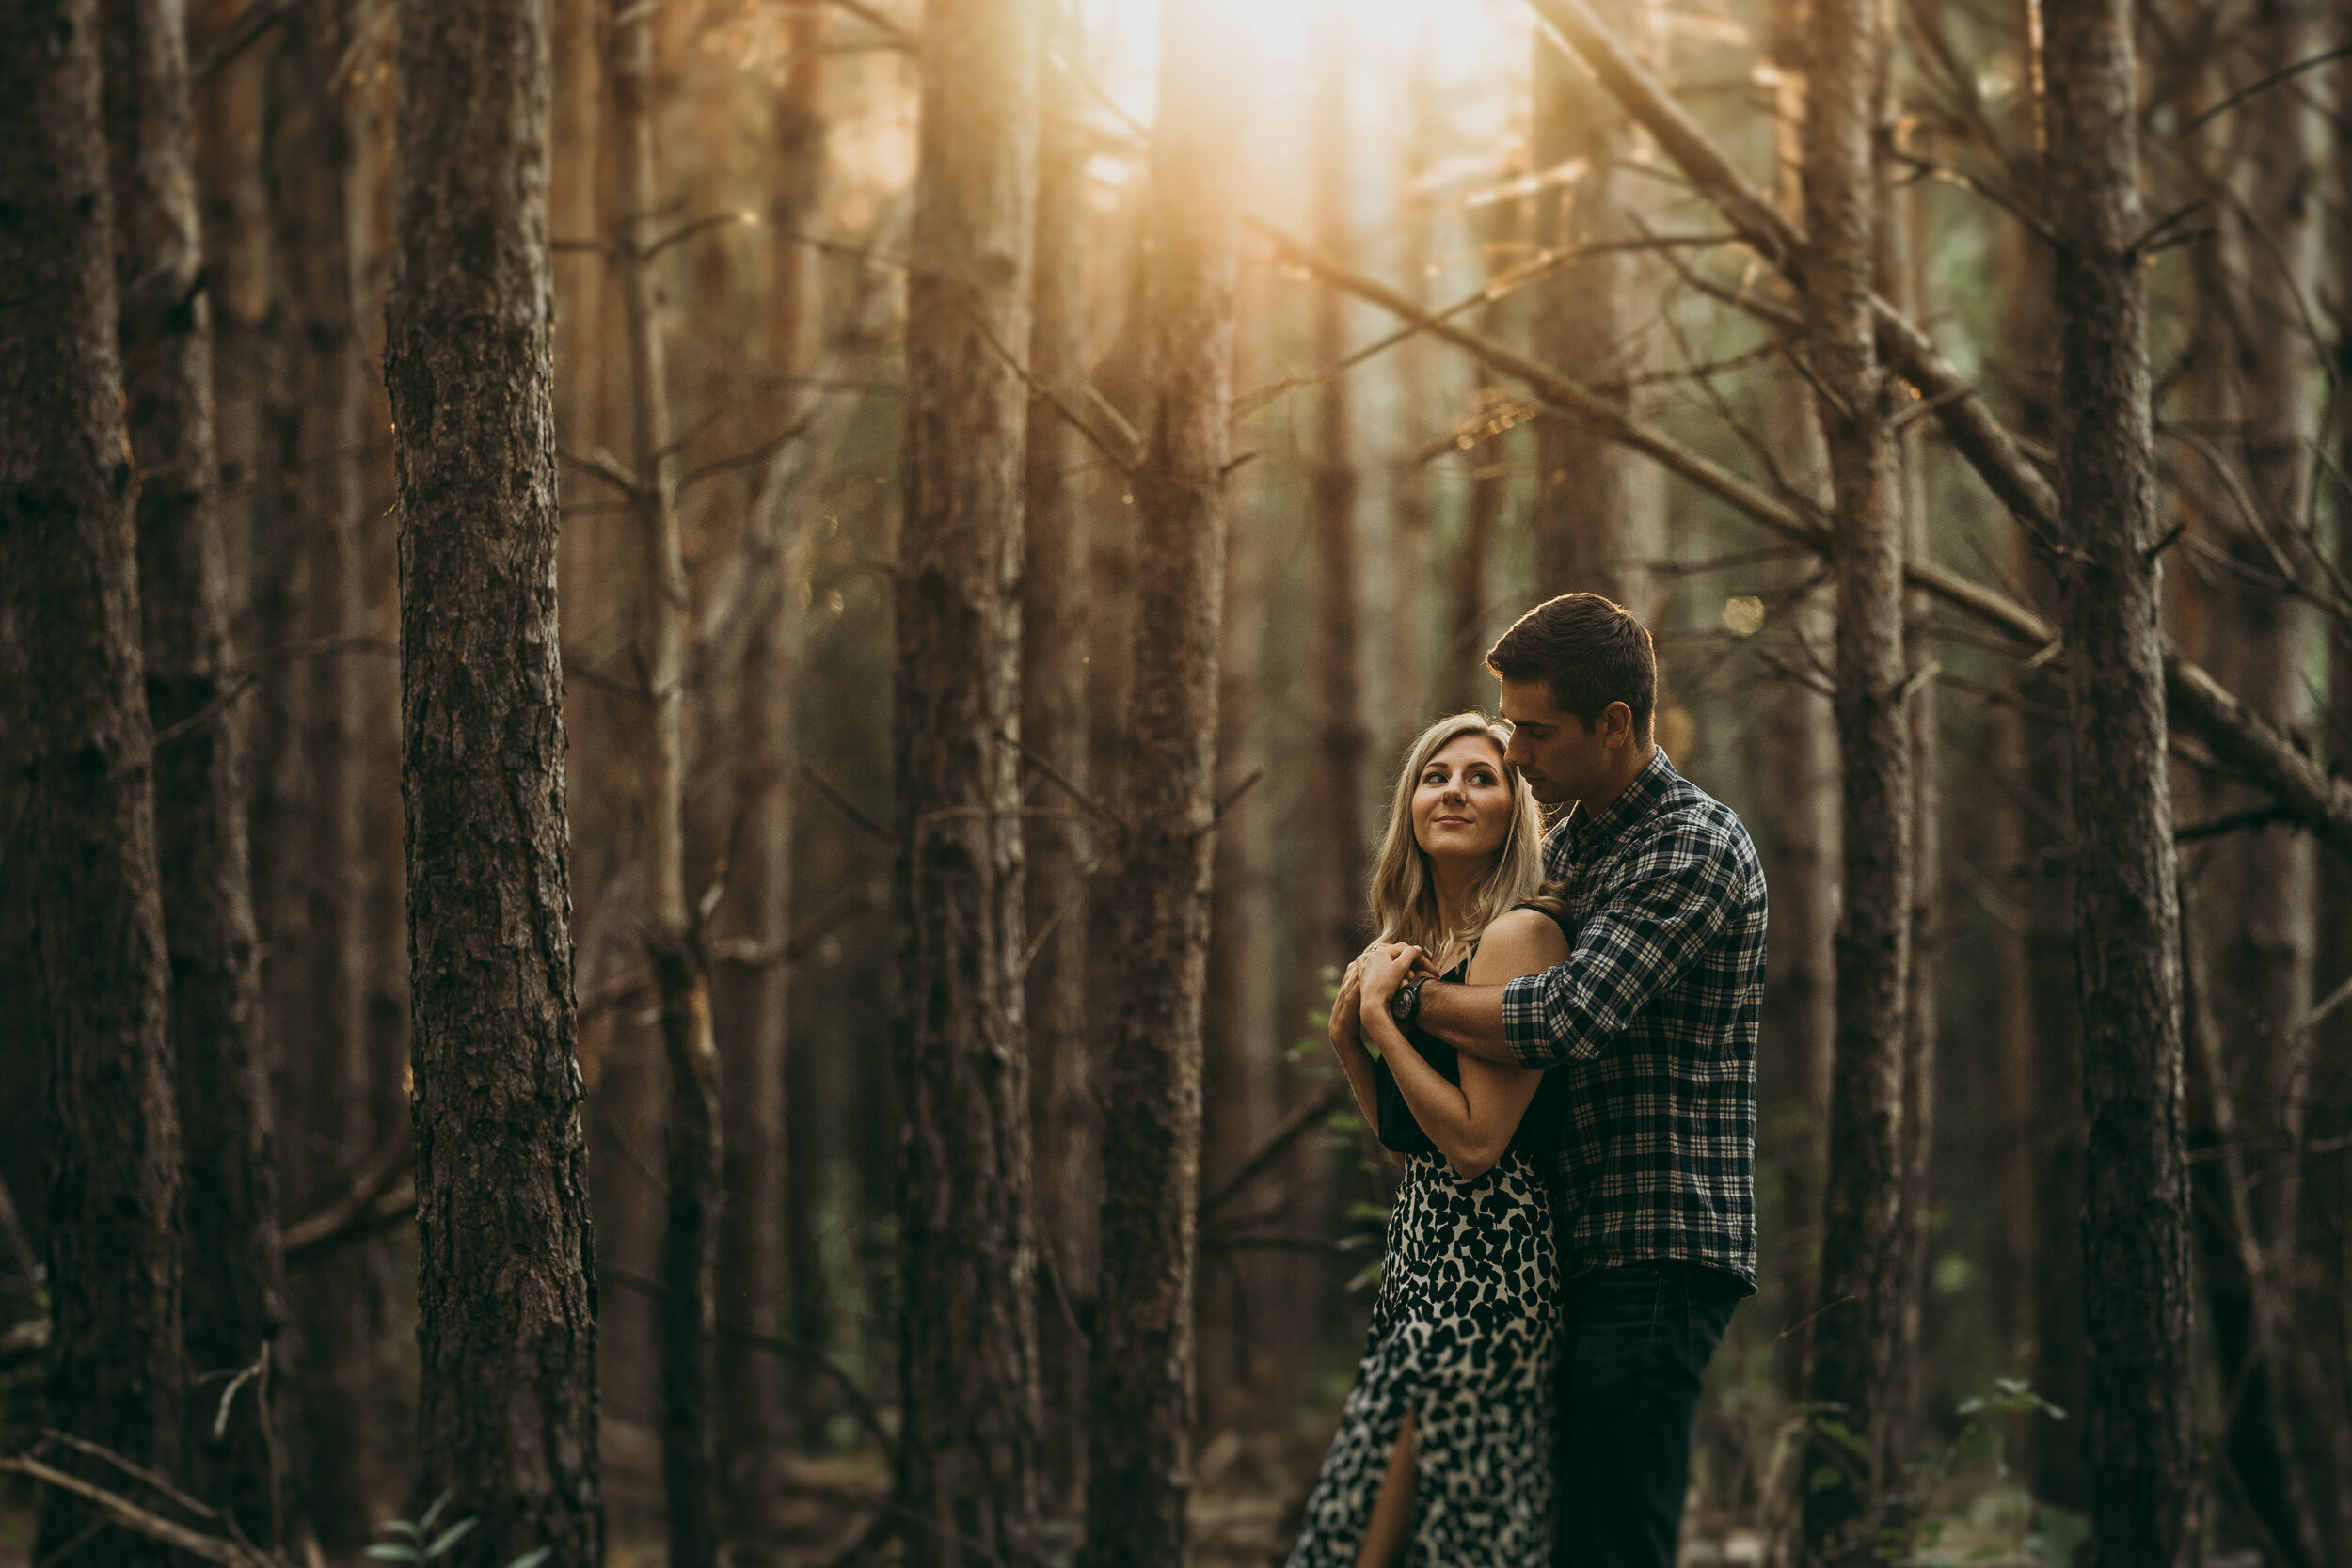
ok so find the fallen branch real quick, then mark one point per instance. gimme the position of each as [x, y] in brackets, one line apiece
[129, 1515]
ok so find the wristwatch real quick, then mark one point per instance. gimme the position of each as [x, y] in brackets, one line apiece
[1404, 1002]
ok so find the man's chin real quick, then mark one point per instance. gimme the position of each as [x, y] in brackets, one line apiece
[1547, 794]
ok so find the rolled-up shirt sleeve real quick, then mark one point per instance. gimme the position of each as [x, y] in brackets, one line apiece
[1680, 891]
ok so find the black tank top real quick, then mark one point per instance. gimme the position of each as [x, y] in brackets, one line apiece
[1539, 1129]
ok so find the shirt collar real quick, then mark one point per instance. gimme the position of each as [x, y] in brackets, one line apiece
[1588, 833]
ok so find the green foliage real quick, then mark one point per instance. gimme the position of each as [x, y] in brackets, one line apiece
[415, 1541]
[1934, 1524]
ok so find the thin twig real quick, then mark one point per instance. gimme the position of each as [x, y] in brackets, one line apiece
[847, 807]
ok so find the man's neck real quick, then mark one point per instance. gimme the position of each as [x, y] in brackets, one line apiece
[1636, 762]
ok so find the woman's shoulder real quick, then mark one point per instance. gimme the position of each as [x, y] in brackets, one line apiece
[1520, 942]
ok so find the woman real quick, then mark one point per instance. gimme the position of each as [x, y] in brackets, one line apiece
[1444, 1452]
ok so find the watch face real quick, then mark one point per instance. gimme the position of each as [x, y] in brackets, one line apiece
[1403, 1002]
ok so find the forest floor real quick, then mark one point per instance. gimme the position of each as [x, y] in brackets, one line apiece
[1249, 1490]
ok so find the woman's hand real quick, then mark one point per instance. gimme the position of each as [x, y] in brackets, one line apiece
[1385, 965]
[1347, 1016]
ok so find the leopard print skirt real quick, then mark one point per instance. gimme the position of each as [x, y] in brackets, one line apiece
[1464, 1335]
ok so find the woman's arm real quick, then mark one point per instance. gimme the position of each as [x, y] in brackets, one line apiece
[1471, 1123]
[1348, 1043]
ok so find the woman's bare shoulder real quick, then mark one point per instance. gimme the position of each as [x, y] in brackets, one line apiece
[1518, 941]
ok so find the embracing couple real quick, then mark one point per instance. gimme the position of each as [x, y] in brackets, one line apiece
[1566, 1033]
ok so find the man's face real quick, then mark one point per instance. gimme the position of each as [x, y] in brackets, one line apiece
[1561, 759]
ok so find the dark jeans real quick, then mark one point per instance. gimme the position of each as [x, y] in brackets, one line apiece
[1637, 1343]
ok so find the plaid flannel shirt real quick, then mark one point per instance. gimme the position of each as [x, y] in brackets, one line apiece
[1653, 1019]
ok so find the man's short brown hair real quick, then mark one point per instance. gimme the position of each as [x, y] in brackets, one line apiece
[1589, 651]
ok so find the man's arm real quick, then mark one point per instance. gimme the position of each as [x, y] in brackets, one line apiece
[1468, 1018]
[1642, 939]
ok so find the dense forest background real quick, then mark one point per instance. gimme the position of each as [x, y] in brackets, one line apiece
[1014, 478]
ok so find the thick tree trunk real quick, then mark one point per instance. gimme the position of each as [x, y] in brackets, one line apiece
[320, 953]
[694, 1161]
[2324, 1312]
[1336, 895]
[1799, 753]
[1599, 516]
[2139, 1425]
[506, 1326]
[1059, 843]
[1856, 1344]
[1139, 1464]
[234, 1293]
[84, 753]
[753, 1000]
[969, 1462]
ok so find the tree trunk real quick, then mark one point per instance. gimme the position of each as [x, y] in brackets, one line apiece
[969, 1462]
[1599, 516]
[1058, 844]
[2252, 377]
[1487, 457]
[1855, 1345]
[2326, 1309]
[1139, 1463]
[506, 1328]
[1900, 278]
[1799, 772]
[84, 751]
[1336, 897]
[1253, 1346]
[2139, 1425]
[2041, 1023]
[694, 1163]
[753, 1000]
[321, 955]
[234, 1286]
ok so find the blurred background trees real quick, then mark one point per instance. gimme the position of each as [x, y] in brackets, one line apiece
[1014, 477]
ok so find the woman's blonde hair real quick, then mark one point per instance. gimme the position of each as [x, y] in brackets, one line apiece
[1404, 895]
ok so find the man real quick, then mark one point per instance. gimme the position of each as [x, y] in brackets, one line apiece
[1653, 1019]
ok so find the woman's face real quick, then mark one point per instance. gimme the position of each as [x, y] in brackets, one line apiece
[1463, 801]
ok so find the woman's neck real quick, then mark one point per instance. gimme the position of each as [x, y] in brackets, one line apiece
[1456, 885]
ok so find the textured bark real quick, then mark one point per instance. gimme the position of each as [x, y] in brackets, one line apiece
[233, 1288]
[80, 747]
[969, 1461]
[1856, 1345]
[2251, 390]
[2140, 1403]
[1900, 278]
[695, 1160]
[1059, 843]
[753, 1000]
[506, 1327]
[1140, 1465]
[1599, 516]
[1335, 897]
[1799, 774]
[2325, 1308]
[320, 955]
